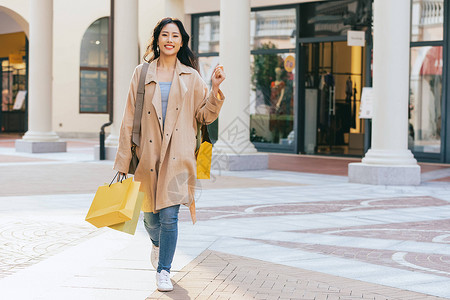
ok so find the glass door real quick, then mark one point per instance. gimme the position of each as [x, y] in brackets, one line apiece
[333, 75]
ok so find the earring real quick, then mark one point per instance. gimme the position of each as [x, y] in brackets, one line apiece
[157, 48]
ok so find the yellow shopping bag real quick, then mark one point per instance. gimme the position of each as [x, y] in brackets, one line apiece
[204, 161]
[113, 203]
[130, 226]
[203, 153]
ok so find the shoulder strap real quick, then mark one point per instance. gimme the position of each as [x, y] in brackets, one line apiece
[138, 107]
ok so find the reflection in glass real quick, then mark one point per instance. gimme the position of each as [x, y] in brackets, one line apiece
[94, 45]
[334, 18]
[275, 26]
[93, 91]
[94, 68]
[13, 77]
[427, 20]
[425, 99]
[206, 66]
[208, 34]
[272, 98]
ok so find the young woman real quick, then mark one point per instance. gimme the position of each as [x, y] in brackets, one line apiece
[175, 99]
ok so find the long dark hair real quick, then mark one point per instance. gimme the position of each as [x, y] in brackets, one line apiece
[185, 55]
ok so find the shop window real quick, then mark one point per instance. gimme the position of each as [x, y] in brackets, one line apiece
[13, 96]
[425, 99]
[94, 68]
[208, 34]
[272, 98]
[207, 65]
[273, 43]
[274, 26]
[334, 18]
[426, 74]
[427, 20]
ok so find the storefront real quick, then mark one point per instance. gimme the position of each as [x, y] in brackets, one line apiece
[307, 81]
[429, 137]
[13, 72]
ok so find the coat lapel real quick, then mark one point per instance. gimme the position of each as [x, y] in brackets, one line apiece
[151, 78]
[177, 95]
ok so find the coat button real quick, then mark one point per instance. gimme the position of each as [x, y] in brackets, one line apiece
[148, 112]
[150, 141]
[177, 108]
[151, 170]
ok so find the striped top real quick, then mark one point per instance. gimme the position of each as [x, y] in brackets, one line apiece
[165, 90]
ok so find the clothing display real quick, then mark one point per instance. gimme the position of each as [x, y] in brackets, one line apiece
[347, 106]
[354, 107]
[326, 90]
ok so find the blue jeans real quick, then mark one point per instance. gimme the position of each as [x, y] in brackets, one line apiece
[163, 230]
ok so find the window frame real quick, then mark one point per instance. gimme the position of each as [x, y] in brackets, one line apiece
[98, 69]
[444, 154]
[265, 147]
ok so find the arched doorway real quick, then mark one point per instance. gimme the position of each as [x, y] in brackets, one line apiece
[13, 72]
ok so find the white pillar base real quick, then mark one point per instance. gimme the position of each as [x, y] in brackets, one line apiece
[384, 174]
[40, 147]
[110, 153]
[40, 142]
[36, 136]
[246, 147]
[389, 157]
[242, 162]
[112, 141]
[238, 157]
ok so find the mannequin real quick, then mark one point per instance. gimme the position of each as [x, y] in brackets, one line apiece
[277, 90]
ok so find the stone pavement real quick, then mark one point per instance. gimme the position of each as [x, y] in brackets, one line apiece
[260, 235]
[216, 275]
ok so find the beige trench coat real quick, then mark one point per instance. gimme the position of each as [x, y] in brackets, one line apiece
[167, 164]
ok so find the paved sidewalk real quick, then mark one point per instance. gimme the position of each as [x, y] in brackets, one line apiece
[260, 235]
[216, 275]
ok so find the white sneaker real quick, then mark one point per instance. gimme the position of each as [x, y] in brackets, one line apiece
[163, 281]
[154, 257]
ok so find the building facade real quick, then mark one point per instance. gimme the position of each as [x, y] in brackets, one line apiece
[305, 82]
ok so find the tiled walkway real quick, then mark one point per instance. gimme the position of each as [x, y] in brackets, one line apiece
[216, 275]
[260, 235]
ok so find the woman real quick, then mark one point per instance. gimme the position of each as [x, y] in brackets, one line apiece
[175, 99]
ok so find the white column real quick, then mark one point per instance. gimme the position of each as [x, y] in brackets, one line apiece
[389, 161]
[234, 119]
[40, 137]
[125, 61]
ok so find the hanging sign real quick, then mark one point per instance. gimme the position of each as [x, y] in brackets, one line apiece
[289, 63]
[356, 38]
[366, 107]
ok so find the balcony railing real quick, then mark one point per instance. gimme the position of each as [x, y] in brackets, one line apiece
[431, 11]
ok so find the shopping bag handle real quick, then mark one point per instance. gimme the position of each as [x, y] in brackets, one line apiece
[120, 180]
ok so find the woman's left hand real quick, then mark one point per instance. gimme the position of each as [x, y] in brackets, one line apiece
[217, 78]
